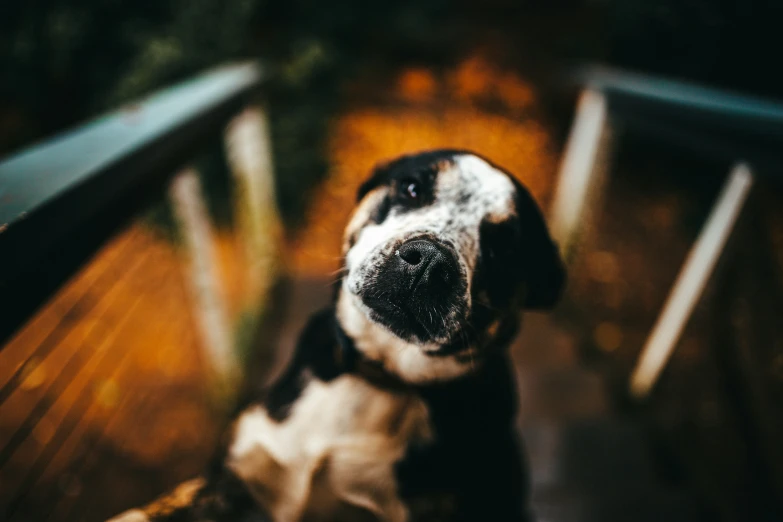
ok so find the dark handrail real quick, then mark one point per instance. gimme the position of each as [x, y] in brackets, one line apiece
[686, 95]
[61, 198]
[727, 124]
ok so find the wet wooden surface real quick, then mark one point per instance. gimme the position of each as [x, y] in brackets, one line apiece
[104, 394]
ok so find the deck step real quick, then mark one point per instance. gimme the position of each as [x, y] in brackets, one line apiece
[569, 392]
[598, 470]
[592, 455]
[653, 505]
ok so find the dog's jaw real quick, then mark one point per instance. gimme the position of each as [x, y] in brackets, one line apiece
[410, 362]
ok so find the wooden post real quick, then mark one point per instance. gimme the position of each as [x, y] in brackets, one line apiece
[691, 281]
[582, 170]
[249, 150]
[211, 313]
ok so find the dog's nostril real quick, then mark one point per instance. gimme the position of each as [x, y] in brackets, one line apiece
[410, 255]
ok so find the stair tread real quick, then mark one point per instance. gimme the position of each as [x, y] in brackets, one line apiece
[593, 453]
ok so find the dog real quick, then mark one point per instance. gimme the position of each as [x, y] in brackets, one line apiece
[399, 403]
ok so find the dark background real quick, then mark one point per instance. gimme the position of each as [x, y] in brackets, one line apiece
[64, 61]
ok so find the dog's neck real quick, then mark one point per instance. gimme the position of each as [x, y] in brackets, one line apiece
[353, 361]
[490, 387]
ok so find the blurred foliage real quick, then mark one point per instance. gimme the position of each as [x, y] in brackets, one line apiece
[730, 43]
[67, 60]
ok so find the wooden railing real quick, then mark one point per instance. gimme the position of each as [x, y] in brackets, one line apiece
[124, 302]
[740, 128]
[746, 132]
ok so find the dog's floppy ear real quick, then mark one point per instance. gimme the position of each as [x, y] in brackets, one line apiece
[544, 274]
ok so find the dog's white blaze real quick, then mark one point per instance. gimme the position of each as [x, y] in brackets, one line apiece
[339, 442]
[467, 193]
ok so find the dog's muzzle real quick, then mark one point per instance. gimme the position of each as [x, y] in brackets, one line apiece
[418, 291]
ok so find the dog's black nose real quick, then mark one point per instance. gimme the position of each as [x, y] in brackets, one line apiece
[429, 266]
[416, 289]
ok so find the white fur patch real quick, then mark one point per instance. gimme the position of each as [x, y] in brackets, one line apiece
[467, 193]
[338, 445]
[408, 361]
[361, 215]
[134, 515]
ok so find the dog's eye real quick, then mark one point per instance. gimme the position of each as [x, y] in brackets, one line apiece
[409, 189]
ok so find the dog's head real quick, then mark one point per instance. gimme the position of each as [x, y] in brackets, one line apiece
[441, 253]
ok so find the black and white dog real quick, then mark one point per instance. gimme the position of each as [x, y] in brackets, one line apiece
[399, 403]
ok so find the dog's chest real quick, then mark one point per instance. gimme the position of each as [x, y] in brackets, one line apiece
[333, 455]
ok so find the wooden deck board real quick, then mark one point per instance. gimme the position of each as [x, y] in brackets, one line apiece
[46, 329]
[80, 342]
[119, 409]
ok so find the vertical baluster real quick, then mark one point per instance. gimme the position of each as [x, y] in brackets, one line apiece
[691, 281]
[210, 307]
[249, 151]
[582, 171]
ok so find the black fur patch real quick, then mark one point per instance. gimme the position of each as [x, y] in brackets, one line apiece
[542, 267]
[498, 275]
[422, 167]
[382, 211]
[476, 460]
[316, 356]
